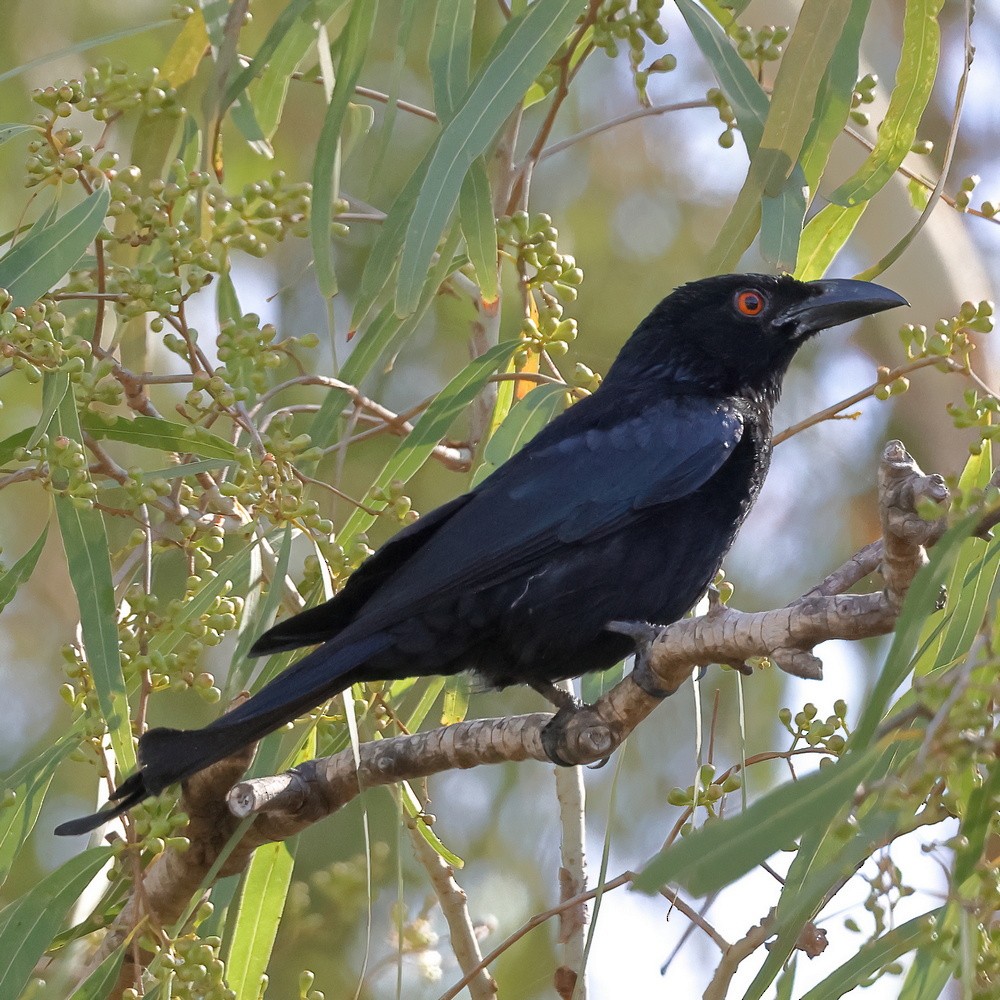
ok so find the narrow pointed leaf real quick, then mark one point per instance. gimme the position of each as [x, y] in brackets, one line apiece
[354, 45]
[161, 435]
[915, 76]
[21, 571]
[32, 921]
[11, 130]
[526, 418]
[88, 560]
[520, 53]
[259, 909]
[43, 258]
[450, 53]
[873, 956]
[824, 237]
[720, 852]
[29, 785]
[54, 386]
[99, 983]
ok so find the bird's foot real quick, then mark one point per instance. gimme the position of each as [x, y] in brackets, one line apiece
[554, 734]
[643, 635]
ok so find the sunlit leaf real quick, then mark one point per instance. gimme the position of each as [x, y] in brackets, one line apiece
[258, 912]
[823, 237]
[912, 90]
[526, 418]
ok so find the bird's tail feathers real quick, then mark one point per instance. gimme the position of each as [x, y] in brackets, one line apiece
[167, 756]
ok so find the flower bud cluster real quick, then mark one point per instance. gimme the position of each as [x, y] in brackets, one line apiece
[548, 277]
[864, 93]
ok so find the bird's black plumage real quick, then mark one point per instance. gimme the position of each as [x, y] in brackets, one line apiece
[621, 509]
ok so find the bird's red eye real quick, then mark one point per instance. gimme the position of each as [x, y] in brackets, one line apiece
[751, 302]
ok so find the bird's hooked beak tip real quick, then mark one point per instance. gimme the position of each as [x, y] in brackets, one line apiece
[839, 300]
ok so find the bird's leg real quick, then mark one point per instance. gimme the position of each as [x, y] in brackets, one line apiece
[559, 697]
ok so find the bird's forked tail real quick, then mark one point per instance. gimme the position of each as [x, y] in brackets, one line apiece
[170, 755]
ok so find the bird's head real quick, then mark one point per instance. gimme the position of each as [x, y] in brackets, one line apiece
[737, 333]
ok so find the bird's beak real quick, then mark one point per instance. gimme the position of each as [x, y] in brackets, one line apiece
[835, 301]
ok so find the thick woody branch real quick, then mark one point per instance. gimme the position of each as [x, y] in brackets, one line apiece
[282, 805]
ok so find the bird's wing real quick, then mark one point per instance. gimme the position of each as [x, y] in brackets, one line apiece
[583, 476]
[573, 483]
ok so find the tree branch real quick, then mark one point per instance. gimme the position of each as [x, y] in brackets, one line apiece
[282, 805]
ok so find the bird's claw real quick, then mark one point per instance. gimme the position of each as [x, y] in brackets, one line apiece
[554, 733]
[643, 634]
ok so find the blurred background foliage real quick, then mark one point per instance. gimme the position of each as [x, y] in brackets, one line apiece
[638, 206]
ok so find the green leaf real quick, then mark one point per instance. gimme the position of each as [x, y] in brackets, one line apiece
[873, 956]
[385, 250]
[21, 571]
[914, 82]
[526, 418]
[11, 130]
[456, 700]
[919, 603]
[412, 806]
[354, 44]
[721, 851]
[41, 259]
[450, 54]
[781, 223]
[772, 175]
[797, 87]
[88, 560]
[54, 386]
[255, 619]
[259, 908]
[299, 14]
[480, 228]
[932, 969]
[9, 445]
[417, 446]
[969, 586]
[833, 105]
[32, 921]
[161, 435]
[520, 53]
[744, 93]
[187, 51]
[429, 694]
[29, 785]
[822, 863]
[99, 983]
[823, 238]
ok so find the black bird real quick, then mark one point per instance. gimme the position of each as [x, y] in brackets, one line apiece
[621, 509]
